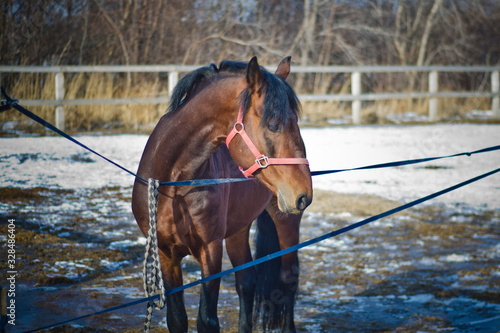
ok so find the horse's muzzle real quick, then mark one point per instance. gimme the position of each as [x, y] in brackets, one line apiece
[297, 206]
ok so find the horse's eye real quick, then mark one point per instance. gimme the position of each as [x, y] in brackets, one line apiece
[274, 128]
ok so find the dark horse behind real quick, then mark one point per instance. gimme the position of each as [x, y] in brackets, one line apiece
[234, 120]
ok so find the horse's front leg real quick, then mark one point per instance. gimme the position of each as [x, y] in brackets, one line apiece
[290, 282]
[177, 320]
[210, 259]
[287, 227]
[239, 252]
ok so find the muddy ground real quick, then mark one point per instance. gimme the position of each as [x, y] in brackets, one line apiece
[430, 269]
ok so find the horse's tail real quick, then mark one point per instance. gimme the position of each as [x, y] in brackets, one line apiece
[269, 305]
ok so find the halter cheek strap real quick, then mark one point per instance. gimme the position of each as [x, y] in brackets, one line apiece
[261, 160]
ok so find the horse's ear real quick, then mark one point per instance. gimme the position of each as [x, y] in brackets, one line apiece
[284, 68]
[255, 78]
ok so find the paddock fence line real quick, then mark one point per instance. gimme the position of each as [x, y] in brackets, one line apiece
[356, 97]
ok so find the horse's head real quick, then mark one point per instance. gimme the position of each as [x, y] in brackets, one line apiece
[267, 141]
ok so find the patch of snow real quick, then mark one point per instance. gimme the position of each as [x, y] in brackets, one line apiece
[407, 117]
[114, 265]
[422, 298]
[129, 292]
[480, 114]
[456, 258]
[428, 262]
[477, 322]
[344, 215]
[124, 244]
[70, 267]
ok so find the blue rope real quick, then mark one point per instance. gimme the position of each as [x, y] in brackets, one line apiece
[407, 162]
[282, 252]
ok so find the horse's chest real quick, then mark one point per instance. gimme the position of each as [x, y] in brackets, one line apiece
[197, 215]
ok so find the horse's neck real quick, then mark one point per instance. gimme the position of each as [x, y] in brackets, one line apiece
[189, 137]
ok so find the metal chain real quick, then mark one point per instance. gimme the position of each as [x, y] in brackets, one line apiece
[152, 276]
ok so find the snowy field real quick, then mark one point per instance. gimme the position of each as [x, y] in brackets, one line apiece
[56, 162]
[430, 270]
[348, 147]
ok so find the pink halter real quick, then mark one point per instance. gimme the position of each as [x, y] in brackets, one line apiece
[261, 161]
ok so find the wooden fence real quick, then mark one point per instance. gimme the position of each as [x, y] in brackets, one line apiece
[355, 97]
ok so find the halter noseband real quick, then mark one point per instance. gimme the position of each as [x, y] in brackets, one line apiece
[261, 160]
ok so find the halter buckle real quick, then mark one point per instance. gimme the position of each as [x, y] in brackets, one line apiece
[262, 161]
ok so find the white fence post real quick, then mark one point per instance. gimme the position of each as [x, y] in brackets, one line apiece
[356, 91]
[60, 96]
[495, 88]
[433, 101]
[173, 77]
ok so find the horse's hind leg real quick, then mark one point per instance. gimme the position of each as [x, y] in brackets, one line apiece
[210, 260]
[239, 252]
[177, 320]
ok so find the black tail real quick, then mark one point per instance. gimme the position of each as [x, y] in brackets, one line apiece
[269, 305]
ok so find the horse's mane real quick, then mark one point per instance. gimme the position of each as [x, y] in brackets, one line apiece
[276, 107]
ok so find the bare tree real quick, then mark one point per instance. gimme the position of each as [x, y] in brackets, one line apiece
[322, 32]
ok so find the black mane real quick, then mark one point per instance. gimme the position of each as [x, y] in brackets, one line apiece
[189, 83]
[279, 98]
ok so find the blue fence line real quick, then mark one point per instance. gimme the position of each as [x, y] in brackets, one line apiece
[13, 103]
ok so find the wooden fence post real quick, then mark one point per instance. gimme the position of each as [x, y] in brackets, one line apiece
[433, 101]
[60, 96]
[495, 88]
[356, 91]
[173, 77]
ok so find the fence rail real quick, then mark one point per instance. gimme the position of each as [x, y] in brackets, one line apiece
[355, 97]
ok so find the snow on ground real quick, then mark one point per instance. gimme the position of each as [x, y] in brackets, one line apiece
[349, 147]
[56, 162]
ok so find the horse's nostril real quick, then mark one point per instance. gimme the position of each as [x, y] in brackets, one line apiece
[302, 202]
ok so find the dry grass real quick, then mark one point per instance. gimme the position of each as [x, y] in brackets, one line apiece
[90, 86]
[143, 117]
[128, 117]
[450, 109]
[327, 202]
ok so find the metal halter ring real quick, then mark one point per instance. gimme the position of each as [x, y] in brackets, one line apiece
[262, 161]
[239, 130]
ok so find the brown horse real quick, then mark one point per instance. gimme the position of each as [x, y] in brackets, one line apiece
[258, 111]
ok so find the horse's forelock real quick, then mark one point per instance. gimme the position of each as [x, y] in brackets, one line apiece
[280, 101]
